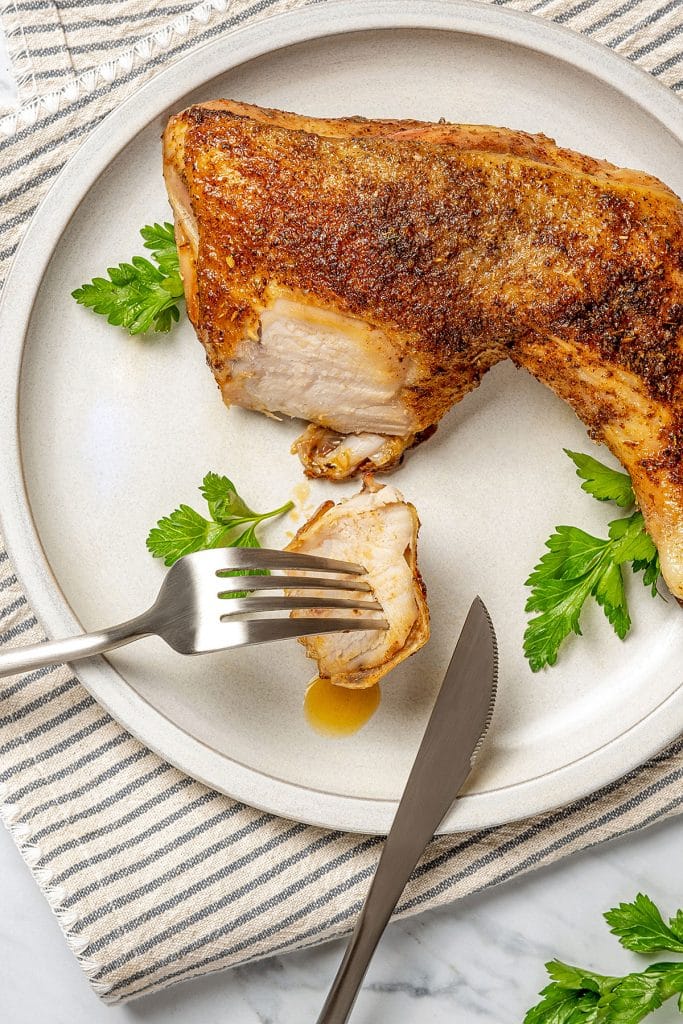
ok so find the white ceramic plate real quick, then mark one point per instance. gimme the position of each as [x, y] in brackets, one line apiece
[102, 434]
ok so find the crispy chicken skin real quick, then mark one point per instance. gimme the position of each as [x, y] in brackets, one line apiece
[364, 275]
[378, 529]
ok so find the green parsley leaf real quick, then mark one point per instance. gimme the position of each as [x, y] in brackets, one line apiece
[571, 553]
[637, 548]
[577, 979]
[634, 997]
[670, 975]
[575, 996]
[184, 530]
[561, 601]
[651, 570]
[609, 593]
[563, 1006]
[603, 483]
[222, 498]
[160, 240]
[139, 295]
[577, 566]
[632, 542]
[578, 996]
[641, 927]
[646, 560]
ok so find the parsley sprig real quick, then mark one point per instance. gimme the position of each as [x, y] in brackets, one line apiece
[641, 927]
[578, 996]
[231, 523]
[577, 566]
[140, 295]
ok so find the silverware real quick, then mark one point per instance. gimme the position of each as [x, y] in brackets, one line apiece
[454, 733]
[191, 615]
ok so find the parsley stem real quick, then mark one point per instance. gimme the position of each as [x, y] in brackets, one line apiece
[277, 512]
[185, 530]
[257, 517]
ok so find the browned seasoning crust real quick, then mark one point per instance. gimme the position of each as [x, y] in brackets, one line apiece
[465, 244]
[466, 251]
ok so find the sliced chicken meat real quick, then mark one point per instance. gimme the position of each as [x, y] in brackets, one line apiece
[378, 529]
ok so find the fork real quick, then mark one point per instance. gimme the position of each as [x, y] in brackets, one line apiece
[191, 615]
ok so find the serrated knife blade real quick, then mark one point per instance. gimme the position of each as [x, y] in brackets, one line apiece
[455, 730]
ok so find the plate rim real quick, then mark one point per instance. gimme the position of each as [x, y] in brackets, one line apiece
[544, 793]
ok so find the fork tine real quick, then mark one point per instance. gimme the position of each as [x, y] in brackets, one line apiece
[266, 603]
[262, 631]
[226, 559]
[232, 583]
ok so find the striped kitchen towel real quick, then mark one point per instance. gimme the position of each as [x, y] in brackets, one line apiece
[153, 877]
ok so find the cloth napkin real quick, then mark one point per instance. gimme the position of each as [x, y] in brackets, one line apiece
[153, 877]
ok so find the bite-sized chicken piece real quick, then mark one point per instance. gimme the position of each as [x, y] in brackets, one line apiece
[326, 452]
[364, 275]
[378, 529]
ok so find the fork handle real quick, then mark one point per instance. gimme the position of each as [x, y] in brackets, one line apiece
[54, 652]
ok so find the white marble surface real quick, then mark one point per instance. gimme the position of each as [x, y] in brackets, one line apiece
[480, 960]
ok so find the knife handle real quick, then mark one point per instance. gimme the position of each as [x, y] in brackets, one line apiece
[405, 844]
[441, 767]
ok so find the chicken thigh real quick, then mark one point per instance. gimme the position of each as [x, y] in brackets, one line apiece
[364, 275]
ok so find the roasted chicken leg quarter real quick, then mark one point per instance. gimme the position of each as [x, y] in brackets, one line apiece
[364, 275]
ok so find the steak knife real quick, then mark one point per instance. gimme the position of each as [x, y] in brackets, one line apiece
[454, 733]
